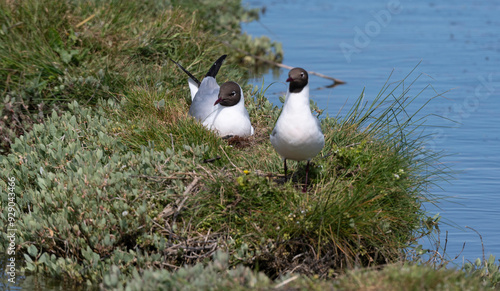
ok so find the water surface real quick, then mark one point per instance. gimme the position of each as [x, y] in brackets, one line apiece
[458, 47]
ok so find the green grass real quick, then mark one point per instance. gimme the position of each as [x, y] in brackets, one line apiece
[55, 52]
[116, 183]
[218, 275]
[364, 205]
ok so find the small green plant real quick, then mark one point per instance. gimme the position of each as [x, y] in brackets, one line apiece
[86, 199]
[488, 270]
[408, 277]
[215, 275]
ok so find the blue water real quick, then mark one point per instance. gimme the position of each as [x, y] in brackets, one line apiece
[458, 45]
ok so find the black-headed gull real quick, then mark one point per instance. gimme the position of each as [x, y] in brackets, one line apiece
[221, 109]
[297, 134]
[204, 93]
[230, 116]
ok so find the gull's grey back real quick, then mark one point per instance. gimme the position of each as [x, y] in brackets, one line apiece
[203, 102]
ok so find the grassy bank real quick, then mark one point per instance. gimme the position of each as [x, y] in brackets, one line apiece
[116, 185]
[53, 53]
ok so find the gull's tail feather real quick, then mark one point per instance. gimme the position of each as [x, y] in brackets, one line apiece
[189, 74]
[216, 66]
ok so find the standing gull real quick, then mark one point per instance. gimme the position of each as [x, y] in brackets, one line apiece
[297, 134]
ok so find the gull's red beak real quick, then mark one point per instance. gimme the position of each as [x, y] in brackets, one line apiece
[218, 101]
[289, 79]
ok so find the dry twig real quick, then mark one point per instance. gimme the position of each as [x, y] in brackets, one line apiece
[335, 80]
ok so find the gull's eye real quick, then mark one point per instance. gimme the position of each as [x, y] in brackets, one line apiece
[233, 93]
[302, 74]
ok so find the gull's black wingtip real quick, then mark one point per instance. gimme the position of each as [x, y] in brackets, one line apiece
[216, 66]
[187, 72]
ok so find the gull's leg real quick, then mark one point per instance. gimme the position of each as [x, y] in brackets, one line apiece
[307, 176]
[284, 162]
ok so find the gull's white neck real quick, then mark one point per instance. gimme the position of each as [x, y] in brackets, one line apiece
[297, 102]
